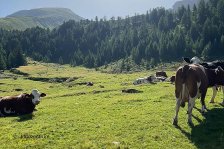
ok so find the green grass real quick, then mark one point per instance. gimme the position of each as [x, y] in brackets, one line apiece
[78, 116]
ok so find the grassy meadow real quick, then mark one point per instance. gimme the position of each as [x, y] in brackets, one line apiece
[73, 115]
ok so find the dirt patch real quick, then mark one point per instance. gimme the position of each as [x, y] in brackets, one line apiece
[50, 80]
[18, 89]
[101, 91]
[71, 79]
[8, 76]
[2, 91]
[131, 91]
[73, 94]
[18, 72]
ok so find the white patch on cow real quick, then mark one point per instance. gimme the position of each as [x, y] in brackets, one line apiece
[203, 69]
[191, 104]
[140, 81]
[36, 94]
[195, 60]
[8, 111]
[198, 84]
[178, 102]
[183, 91]
[19, 96]
[198, 92]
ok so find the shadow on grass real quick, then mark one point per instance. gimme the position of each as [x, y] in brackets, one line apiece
[210, 131]
[25, 117]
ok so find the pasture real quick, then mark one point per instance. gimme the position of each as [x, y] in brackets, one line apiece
[74, 115]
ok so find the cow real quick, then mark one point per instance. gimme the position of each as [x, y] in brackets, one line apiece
[140, 81]
[191, 82]
[161, 74]
[149, 79]
[209, 65]
[172, 79]
[21, 104]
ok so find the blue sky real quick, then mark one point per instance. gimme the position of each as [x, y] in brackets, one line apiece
[87, 8]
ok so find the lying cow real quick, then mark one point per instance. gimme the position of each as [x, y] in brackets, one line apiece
[161, 74]
[150, 79]
[141, 81]
[209, 65]
[191, 82]
[21, 104]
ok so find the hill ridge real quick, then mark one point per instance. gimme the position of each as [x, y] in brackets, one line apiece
[49, 17]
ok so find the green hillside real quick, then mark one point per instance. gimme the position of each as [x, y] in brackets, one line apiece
[42, 17]
[76, 116]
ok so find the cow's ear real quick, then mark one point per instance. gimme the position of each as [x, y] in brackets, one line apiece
[43, 95]
[220, 68]
[27, 95]
[216, 71]
[187, 60]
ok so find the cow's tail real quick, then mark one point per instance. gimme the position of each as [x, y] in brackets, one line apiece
[184, 75]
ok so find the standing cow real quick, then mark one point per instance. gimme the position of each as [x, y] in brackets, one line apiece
[209, 65]
[191, 82]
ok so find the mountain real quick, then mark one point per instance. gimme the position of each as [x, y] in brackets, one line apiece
[186, 3]
[42, 17]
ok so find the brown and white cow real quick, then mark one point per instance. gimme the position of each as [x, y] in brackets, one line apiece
[209, 65]
[191, 82]
[21, 104]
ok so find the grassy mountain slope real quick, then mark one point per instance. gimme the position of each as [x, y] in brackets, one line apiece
[42, 17]
[101, 116]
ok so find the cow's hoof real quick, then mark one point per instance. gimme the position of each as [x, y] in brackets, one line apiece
[175, 122]
[211, 101]
[190, 123]
[203, 111]
[182, 104]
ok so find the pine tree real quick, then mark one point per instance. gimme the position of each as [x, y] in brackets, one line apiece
[2, 59]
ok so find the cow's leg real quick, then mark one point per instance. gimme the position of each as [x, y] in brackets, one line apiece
[214, 88]
[175, 120]
[203, 102]
[222, 95]
[191, 103]
[1, 115]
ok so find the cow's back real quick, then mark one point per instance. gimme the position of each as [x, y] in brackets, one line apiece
[189, 80]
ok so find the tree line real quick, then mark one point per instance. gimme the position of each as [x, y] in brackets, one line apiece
[159, 35]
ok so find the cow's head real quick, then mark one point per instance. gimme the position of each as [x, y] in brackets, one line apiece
[138, 81]
[194, 60]
[220, 75]
[36, 96]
